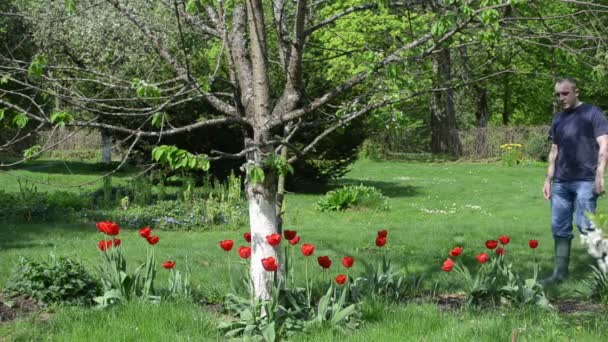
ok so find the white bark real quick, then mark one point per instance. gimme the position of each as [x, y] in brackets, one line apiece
[263, 222]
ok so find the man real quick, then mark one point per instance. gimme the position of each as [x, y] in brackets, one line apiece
[575, 176]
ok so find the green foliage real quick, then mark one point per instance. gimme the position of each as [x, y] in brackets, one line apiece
[2, 110]
[20, 120]
[597, 284]
[70, 6]
[38, 65]
[29, 204]
[385, 282]
[60, 280]
[200, 214]
[159, 119]
[144, 89]
[61, 118]
[256, 174]
[178, 159]
[32, 152]
[351, 196]
[278, 163]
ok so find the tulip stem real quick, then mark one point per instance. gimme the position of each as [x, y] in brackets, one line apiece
[307, 283]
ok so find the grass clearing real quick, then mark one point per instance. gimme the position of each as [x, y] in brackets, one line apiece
[433, 208]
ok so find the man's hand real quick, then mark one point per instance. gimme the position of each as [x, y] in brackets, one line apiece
[599, 185]
[547, 189]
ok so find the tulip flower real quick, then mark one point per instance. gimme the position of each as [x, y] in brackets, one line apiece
[491, 244]
[324, 261]
[273, 239]
[247, 237]
[244, 252]
[145, 232]
[153, 240]
[289, 234]
[294, 241]
[168, 265]
[270, 264]
[226, 245]
[348, 261]
[308, 249]
[448, 264]
[504, 239]
[456, 251]
[380, 241]
[533, 244]
[482, 258]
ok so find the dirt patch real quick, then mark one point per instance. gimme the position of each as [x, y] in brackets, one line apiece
[573, 307]
[11, 308]
[451, 301]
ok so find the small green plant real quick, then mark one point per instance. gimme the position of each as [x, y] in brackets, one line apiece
[511, 154]
[59, 280]
[353, 196]
[597, 284]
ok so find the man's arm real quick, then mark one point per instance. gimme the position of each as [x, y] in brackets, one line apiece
[551, 171]
[602, 157]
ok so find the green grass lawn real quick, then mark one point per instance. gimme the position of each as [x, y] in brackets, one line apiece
[433, 208]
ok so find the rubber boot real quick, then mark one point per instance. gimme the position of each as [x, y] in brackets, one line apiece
[562, 258]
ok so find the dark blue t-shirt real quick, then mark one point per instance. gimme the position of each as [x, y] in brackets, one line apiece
[575, 132]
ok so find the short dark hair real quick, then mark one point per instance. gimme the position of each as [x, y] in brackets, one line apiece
[570, 80]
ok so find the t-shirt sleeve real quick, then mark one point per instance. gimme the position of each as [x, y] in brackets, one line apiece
[551, 136]
[600, 123]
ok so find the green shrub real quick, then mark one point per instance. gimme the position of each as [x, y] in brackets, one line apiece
[359, 196]
[60, 280]
[537, 148]
[177, 215]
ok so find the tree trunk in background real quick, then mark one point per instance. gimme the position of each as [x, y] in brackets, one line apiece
[506, 109]
[482, 115]
[444, 134]
[106, 147]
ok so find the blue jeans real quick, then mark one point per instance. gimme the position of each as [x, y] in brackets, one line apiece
[570, 199]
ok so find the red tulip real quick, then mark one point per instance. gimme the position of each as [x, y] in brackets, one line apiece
[382, 233]
[289, 234]
[168, 264]
[448, 264]
[247, 236]
[533, 244]
[270, 264]
[324, 261]
[116, 242]
[244, 252]
[104, 244]
[294, 241]
[340, 279]
[153, 240]
[482, 258]
[491, 244]
[500, 251]
[273, 239]
[504, 239]
[145, 232]
[348, 261]
[456, 251]
[308, 249]
[226, 245]
[108, 228]
[380, 241]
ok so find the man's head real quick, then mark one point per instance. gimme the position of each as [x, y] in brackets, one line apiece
[566, 93]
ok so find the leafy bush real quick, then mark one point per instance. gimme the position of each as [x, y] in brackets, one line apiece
[61, 280]
[353, 197]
